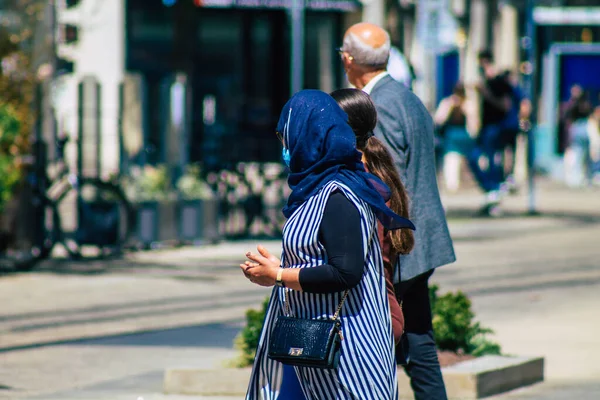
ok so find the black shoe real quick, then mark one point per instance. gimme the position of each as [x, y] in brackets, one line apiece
[490, 210]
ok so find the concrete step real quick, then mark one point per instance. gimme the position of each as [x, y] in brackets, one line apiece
[473, 379]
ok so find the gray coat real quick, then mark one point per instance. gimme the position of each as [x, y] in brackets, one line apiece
[405, 126]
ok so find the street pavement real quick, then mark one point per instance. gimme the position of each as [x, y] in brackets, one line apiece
[107, 329]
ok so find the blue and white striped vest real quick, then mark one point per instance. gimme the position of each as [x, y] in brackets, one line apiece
[367, 369]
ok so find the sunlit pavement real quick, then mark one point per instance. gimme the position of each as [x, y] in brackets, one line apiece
[107, 329]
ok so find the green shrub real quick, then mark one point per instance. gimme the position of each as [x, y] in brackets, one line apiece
[10, 172]
[148, 183]
[452, 324]
[23, 61]
[454, 328]
[247, 340]
[190, 185]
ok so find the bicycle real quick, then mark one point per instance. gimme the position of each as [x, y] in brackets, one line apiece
[105, 217]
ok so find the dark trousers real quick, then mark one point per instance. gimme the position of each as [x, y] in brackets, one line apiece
[423, 366]
[489, 144]
[509, 139]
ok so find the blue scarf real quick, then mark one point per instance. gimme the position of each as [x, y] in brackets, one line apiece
[323, 149]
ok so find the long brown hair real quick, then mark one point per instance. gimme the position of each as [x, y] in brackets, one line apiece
[362, 117]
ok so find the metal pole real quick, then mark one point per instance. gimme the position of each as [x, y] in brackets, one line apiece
[41, 106]
[297, 55]
[39, 168]
[529, 44]
[54, 27]
[54, 62]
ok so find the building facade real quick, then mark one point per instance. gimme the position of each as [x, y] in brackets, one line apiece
[183, 81]
[190, 82]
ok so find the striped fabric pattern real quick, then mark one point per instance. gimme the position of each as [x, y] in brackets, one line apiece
[367, 368]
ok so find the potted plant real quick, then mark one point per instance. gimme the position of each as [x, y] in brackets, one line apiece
[197, 208]
[149, 188]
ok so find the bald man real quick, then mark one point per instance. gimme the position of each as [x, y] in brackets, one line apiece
[405, 126]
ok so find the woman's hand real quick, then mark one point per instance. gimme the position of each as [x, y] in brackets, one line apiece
[262, 268]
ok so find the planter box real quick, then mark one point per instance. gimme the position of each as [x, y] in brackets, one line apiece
[192, 221]
[156, 222]
[198, 221]
[467, 380]
[489, 375]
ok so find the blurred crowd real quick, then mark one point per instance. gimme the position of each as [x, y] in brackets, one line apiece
[467, 131]
[580, 128]
[483, 137]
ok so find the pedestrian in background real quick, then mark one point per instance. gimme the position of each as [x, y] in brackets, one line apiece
[486, 160]
[329, 258]
[594, 140]
[576, 158]
[406, 128]
[511, 128]
[453, 117]
[400, 68]
[575, 93]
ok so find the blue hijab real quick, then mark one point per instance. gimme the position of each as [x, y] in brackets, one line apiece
[322, 148]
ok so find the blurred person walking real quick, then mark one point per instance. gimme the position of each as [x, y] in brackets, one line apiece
[496, 96]
[594, 140]
[400, 68]
[453, 117]
[329, 260]
[511, 128]
[406, 128]
[575, 92]
[576, 159]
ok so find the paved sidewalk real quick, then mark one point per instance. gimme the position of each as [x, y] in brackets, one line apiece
[107, 330]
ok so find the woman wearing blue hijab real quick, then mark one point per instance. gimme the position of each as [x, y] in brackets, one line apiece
[330, 248]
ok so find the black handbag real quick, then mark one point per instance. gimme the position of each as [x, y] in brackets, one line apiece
[315, 343]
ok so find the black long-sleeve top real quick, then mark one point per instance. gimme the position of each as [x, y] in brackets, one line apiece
[340, 233]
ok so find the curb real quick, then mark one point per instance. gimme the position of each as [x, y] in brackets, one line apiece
[489, 375]
[472, 379]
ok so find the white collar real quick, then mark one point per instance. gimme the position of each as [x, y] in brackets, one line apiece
[369, 86]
